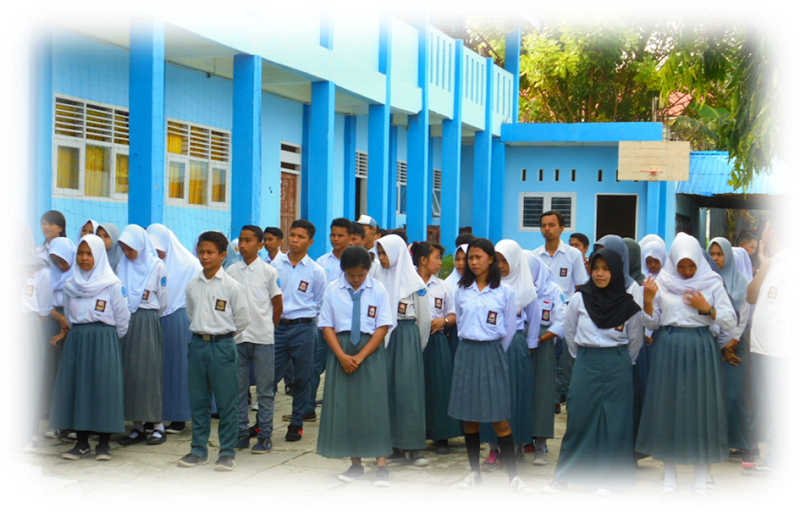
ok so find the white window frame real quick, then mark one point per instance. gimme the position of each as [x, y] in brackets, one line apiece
[80, 143]
[401, 182]
[546, 205]
[436, 205]
[187, 159]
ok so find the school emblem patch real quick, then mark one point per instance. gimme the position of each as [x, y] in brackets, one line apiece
[422, 292]
[546, 315]
[29, 290]
[491, 318]
[146, 295]
[372, 311]
[163, 281]
[303, 286]
[563, 272]
[100, 306]
[124, 292]
[401, 308]
[773, 292]
[620, 328]
[439, 303]
[220, 305]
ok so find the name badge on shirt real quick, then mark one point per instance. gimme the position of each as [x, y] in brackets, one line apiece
[772, 294]
[146, 295]
[401, 308]
[220, 305]
[439, 303]
[492, 318]
[563, 272]
[100, 306]
[29, 290]
[303, 286]
[372, 311]
[546, 315]
[620, 328]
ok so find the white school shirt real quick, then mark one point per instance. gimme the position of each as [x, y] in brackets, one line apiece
[530, 315]
[374, 252]
[552, 313]
[724, 337]
[337, 306]
[331, 265]
[485, 315]
[155, 295]
[268, 259]
[568, 266]
[441, 299]
[670, 310]
[109, 306]
[216, 306]
[406, 310]
[260, 282]
[580, 330]
[769, 334]
[43, 251]
[37, 296]
[303, 287]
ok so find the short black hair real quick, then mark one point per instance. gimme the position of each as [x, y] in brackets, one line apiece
[341, 222]
[217, 238]
[421, 250]
[274, 231]
[399, 234]
[464, 238]
[57, 218]
[308, 226]
[556, 213]
[583, 239]
[355, 256]
[358, 229]
[383, 232]
[746, 236]
[494, 268]
[256, 231]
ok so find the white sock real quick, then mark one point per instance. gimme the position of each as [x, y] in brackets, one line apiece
[700, 477]
[139, 426]
[670, 475]
[156, 428]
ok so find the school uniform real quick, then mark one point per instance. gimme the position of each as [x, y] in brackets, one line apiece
[268, 259]
[256, 344]
[437, 360]
[355, 414]
[114, 253]
[452, 282]
[217, 311]
[295, 337]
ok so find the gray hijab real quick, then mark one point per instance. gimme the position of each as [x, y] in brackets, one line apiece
[115, 253]
[735, 282]
[615, 243]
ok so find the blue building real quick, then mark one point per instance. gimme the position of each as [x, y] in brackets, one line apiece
[204, 125]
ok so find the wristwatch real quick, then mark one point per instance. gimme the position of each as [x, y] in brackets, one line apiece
[711, 310]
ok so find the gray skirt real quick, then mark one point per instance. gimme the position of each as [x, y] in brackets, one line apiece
[175, 384]
[27, 360]
[481, 390]
[405, 374]
[521, 381]
[52, 357]
[438, 362]
[88, 393]
[142, 366]
[684, 419]
[739, 432]
[597, 449]
[355, 413]
[543, 361]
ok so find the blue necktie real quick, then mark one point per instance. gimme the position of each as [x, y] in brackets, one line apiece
[355, 325]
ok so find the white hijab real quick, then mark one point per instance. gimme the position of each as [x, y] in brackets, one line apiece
[651, 239]
[519, 278]
[63, 248]
[686, 246]
[90, 283]
[181, 265]
[543, 277]
[135, 273]
[454, 277]
[95, 225]
[743, 263]
[653, 249]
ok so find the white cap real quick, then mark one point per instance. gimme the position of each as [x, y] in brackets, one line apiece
[367, 220]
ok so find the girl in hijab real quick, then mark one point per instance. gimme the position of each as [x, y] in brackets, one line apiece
[743, 262]
[144, 277]
[110, 235]
[88, 395]
[89, 227]
[405, 370]
[654, 256]
[634, 260]
[615, 242]
[552, 312]
[53, 224]
[516, 274]
[181, 267]
[689, 427]
[437, 358]
[603, 330]
[459, 264]
[32, 282]
[735, 348]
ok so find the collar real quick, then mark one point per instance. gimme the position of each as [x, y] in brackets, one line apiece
[285, 256]
[252, 266]
[217, 276]
[433, 280]
[344, 284]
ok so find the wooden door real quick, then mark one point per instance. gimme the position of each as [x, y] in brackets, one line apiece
[288, 206]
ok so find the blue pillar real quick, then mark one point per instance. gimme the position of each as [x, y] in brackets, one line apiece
[668, 210]
[304, 162]
[378, 185]
[498, 189]
[391, 203]
[350, 167]
[430, 181]
[147, 123]
[451, 160]
[653, 210]
[320, 162]
[418, 133]
[513, 47]
[246, 142]
[482, 174]
[40, 183]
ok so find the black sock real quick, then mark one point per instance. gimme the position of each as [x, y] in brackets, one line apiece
[506, 444]
[104, 439]
[474, 451]
[83, 439]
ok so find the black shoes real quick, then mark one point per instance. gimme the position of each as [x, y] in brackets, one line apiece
[294, 433]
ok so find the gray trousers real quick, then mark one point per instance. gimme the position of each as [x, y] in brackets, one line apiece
[262, 356]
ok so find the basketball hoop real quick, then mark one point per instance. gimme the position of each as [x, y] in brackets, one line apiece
[653, 172]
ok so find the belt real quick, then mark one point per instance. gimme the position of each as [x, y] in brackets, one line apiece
[214, 338]
[291, 322]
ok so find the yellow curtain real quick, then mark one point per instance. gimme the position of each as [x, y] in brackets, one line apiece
[122, 174]
[176, 179]
[68, 168]
[198, 181]
[175, 144]
[218, 185]
[97, 171]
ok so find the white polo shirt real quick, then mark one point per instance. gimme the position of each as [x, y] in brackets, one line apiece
[260, 282]
[769, 334]
[567, 264]
[302, 286]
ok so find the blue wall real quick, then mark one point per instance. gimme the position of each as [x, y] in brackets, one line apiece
[467, 165]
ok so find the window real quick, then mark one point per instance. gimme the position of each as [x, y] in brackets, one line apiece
[533, 204]
[90, 158]
[402, 185]
[524, 175]
[362, 165]
[557, 174]
[198, 165]
[291, 158]
[436, 204]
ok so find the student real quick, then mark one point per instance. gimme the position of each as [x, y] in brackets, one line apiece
[273, 239]
[459, 263]
[217, 309]
[110, 235]
[437, 357]
[144, 277]
[32, 281]
[654, 256]
[405, 370]
[181, 267]
[688, 428]
[359, 235]
[486, 315]
[743, 262]
[516, 275]
[355, 318]
[90, 227]
[53, 224]
[603, 330]
[255, 345]
[88, 396]
[372, 233]
[615, 243]
[634, 260]
[748, 242]
[580, 242]
[303, 283]
[735, 345]
[552, 310]
[232, 256]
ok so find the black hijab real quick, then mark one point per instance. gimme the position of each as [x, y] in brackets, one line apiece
[611, 306]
